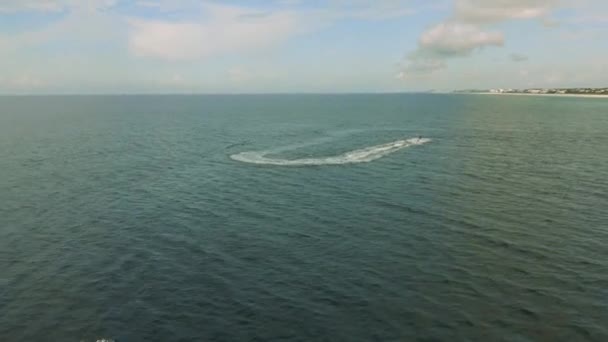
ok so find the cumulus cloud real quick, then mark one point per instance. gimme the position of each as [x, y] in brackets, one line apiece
[469, 29]
[443, 41]
[457, 39]
[517, 57]
[223, 29]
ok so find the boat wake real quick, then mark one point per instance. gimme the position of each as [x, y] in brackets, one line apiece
[363, 155]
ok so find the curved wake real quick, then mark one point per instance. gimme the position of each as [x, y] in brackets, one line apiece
[363, 155]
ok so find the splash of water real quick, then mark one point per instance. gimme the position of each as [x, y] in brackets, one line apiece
[363, 155]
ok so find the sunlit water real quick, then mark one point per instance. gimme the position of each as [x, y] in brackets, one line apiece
[303, 217]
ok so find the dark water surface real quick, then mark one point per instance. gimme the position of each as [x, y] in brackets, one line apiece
[125, 217]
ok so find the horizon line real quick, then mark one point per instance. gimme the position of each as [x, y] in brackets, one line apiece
[229, 94]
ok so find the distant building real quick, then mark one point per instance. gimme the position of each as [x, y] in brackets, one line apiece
[594, 91]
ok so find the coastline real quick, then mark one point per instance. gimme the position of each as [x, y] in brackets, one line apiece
[546, 95]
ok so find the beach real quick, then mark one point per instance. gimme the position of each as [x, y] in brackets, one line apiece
[547, 95]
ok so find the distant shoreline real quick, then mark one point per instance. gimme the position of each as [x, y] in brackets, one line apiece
[546, 95]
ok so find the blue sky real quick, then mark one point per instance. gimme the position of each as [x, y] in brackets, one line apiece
[204, 46]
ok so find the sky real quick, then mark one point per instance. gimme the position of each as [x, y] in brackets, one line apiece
[318, 46]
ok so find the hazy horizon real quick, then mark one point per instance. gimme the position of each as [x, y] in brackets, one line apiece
[462, 91]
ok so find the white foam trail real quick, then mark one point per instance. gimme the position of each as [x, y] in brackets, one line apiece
[363, 155]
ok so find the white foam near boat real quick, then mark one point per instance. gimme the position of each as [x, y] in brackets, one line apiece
[363, 155]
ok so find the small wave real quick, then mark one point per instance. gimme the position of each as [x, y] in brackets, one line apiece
[363, 155]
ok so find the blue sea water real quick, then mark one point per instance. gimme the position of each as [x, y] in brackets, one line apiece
[304, 218]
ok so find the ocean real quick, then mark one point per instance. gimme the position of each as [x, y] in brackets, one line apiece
[360, 217]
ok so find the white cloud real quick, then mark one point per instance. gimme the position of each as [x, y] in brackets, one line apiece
[468, 30]
[457, 39]
[446, 40]
[12, 6]
[488, 11]
[225, 29]
[80, 25]
[9, 6]
[79, 43]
